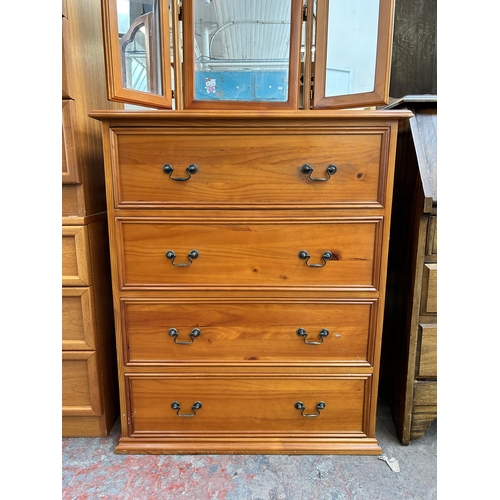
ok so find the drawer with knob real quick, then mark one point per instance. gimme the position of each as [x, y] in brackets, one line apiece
[163, 168]
[159, 253]
[247, 403]
[239, 331]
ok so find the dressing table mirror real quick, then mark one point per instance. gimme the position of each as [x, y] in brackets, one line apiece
[235, 54]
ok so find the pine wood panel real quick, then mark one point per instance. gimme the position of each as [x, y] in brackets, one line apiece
[82, 426]
[80, 387]
[248, 330]
[78, 319]
[248, 253]
[69, 197]
[66, 61]
[70, 173]
[246, 275]
[243, 404]
[75, 256]
[249, 168]
[85, 82]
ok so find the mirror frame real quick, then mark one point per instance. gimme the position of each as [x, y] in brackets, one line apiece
[380, 94]
[292, 103]
[116, 91]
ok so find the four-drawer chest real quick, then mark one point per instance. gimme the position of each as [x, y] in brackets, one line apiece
[249, 254]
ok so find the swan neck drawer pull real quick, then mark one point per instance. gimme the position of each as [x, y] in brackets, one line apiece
[299, 405]
[195, 332]
[191, 170]
[193, 254]
[303, 255]
[322, 334]
[177, 406]
[330, 170]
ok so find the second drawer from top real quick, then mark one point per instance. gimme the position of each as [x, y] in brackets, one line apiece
[160, 253]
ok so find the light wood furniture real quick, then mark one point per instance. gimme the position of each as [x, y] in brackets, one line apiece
[248, 256]
[89, 381]
[309, 45]
[409, 348]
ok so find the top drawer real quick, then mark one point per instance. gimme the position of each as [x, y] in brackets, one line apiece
[249, 168]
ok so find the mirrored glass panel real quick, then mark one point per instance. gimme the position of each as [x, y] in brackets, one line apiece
[351, 51]
[139, 45]
[241, 49]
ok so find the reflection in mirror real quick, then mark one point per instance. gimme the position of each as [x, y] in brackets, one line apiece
[242, 50]
[351, 50]
[139, 38]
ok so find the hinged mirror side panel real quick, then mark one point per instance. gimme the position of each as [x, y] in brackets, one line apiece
[353, 53]
[241, 55]
[137, 52]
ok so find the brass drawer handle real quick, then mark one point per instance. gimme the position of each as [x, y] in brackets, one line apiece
[177, 406]
[322, 334]
[191, 170]
[195, 332]
[303, 255]
[299, 405]
[193, 254]
[330, 170]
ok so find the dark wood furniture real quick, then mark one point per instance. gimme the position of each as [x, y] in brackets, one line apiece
[414, 48]
[409, 348]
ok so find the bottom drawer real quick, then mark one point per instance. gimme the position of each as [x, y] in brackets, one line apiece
[257, 404]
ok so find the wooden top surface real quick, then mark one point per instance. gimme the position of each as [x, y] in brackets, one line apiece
[156, 116]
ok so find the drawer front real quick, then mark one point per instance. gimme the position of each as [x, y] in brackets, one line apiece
[431, 243]
[78, 319]
[162, 331]
[248, 169]
[248, 254]
[246, 403]
[75, 256]
[80, 384]
[429, 289]
[428, 351]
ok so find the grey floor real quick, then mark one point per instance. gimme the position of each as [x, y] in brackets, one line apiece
[91, 470]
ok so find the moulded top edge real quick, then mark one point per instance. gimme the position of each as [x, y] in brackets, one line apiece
[157, 115]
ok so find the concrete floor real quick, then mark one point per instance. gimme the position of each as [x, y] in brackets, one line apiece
[91, 470]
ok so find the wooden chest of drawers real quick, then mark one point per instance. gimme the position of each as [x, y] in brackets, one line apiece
[249, 255]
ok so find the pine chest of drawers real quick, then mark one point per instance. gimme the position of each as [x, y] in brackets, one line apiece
[249, 254]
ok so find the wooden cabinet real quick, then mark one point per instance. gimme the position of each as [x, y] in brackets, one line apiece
[248, 255]
[89, 380]
[409, 350]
